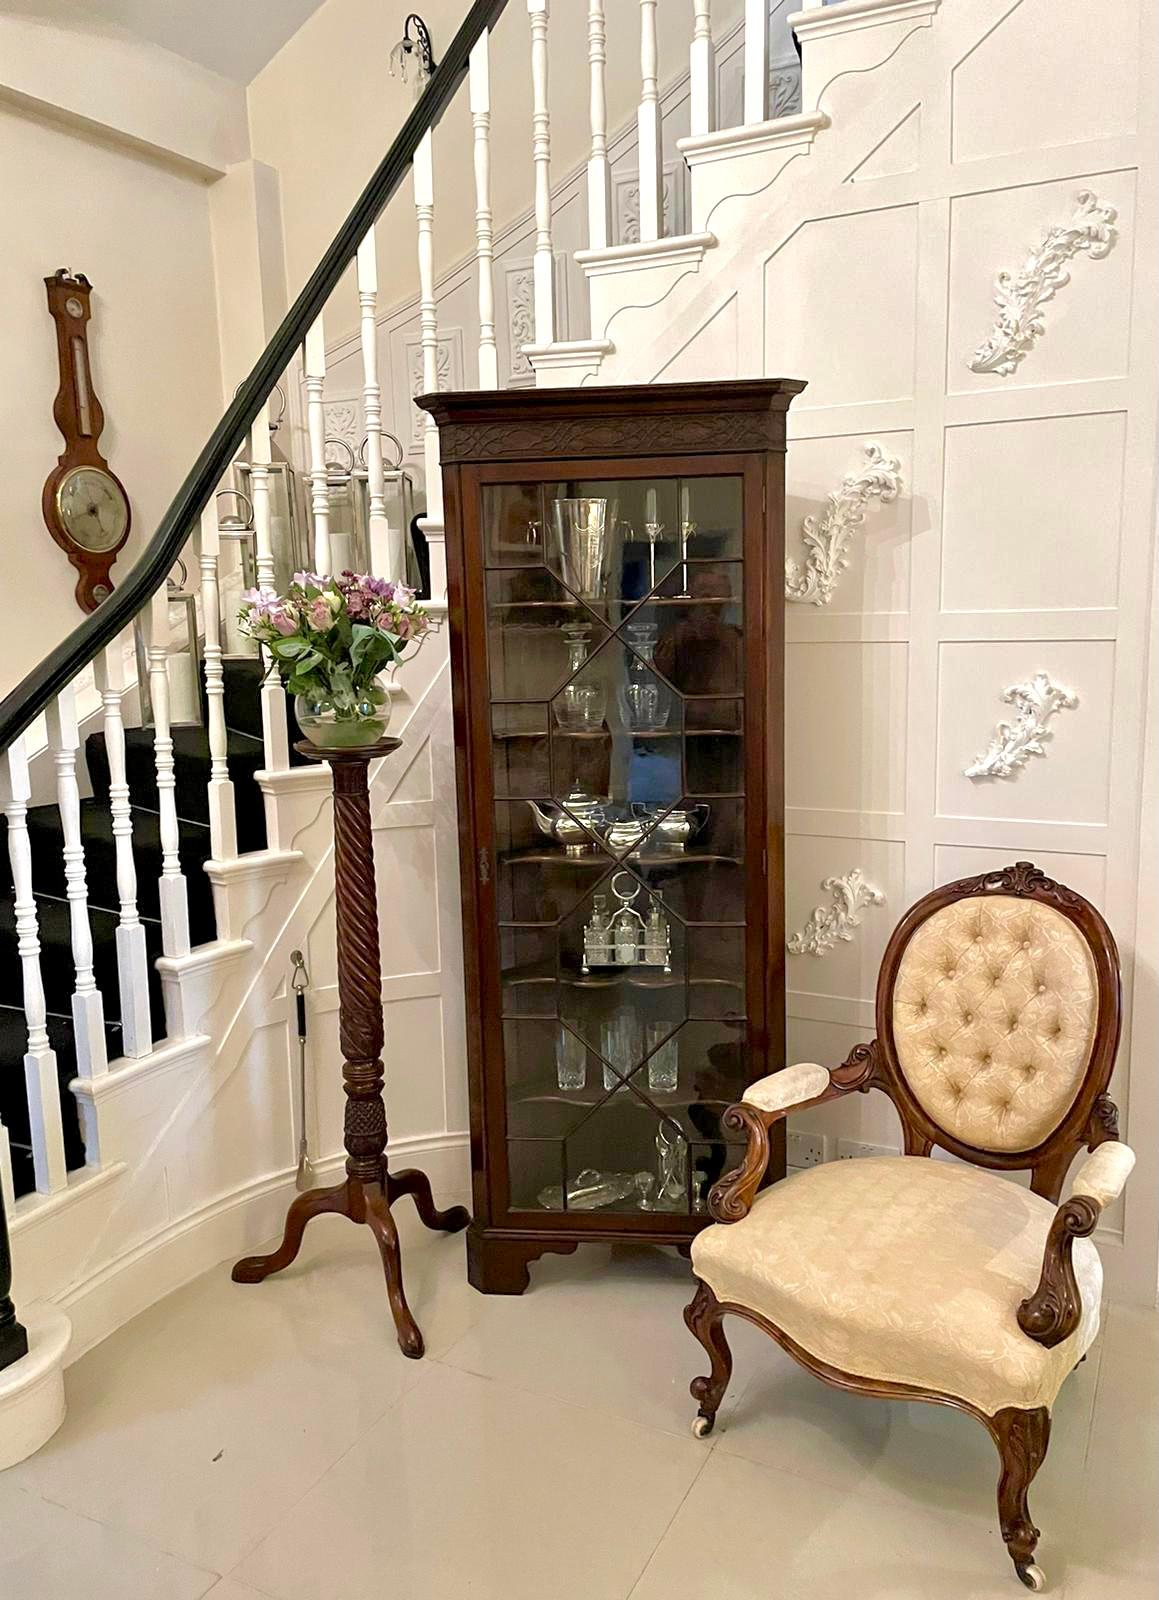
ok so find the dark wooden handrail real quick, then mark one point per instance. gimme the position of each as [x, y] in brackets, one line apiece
[57, 670]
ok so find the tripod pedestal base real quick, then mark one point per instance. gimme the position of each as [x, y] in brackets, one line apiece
[367, 1202]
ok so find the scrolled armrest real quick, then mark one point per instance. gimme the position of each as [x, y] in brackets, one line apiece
[766, 1102]
[1051, 1314]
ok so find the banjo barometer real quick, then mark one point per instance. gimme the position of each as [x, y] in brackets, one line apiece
[84, 502]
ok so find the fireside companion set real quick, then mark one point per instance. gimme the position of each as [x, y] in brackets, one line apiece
[617, 652]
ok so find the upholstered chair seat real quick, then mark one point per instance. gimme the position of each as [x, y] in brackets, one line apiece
[905, 1270]
[943, 1280]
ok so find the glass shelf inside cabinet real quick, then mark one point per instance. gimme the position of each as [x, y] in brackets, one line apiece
[615, 620]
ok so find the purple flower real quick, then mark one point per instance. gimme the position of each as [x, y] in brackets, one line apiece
[309, 580]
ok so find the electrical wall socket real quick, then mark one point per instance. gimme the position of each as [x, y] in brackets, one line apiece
[853, 1150]
[806, 1149]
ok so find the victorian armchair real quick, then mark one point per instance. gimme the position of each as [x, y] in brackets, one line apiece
[997, 1020]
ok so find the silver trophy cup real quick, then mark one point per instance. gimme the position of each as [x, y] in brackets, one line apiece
[583, 535]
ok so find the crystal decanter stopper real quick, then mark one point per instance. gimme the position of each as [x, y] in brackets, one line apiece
[582, 703]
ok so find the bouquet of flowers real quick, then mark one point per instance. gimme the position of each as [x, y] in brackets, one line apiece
[330, 638]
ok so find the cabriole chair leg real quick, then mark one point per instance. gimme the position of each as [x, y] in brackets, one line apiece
[1022, 1438]
[705, 1319]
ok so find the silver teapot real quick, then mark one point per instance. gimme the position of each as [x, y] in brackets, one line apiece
[669, 830]
[572, 824]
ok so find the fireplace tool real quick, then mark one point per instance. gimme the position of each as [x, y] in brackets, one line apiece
[304, 1177]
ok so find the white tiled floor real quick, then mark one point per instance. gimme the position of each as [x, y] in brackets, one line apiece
[244, 1443]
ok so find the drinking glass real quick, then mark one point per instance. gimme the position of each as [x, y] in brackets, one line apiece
[664, 1062]
[620, 1046]
[571, 1061]
[583, 531]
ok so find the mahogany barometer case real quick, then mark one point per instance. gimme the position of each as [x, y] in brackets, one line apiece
[615, 561]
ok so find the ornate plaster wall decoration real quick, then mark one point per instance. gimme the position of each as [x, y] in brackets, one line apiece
[1015, 742]
[626, 204]
[785, 90]
[1020, 296]
[448, 369]
[834, 923]
[814, 581]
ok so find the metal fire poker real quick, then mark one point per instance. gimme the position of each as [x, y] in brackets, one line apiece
[304, 1178]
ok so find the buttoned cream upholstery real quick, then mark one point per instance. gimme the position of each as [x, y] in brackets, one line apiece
[994, 1011]
[905, 1269]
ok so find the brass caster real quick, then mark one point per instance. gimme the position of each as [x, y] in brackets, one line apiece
[702, 1427]
[1032, 1576]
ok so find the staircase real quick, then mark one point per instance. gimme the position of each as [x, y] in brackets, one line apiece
[141, 1142]
[46, 832]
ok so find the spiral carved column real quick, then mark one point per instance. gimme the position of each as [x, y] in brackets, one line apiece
[370, 1188]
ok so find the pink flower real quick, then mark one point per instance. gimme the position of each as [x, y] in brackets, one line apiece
[384, 622]
[319, 614]
[283, 620]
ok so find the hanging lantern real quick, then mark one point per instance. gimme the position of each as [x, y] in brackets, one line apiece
[237, 571]
[183, 662]
[287, 496]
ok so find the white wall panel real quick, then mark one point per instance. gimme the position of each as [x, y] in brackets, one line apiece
[1020, 494]
[1077, 79]
[1071, 781]
[1086, 322]
[843, 749]
[849, 330]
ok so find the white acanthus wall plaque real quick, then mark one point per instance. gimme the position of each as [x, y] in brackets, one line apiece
[813, 581]
[828, 925]
[1020, 296]
[1015, 742]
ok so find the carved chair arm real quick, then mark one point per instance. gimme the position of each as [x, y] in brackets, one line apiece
[1051, 1314]
[765, 1103]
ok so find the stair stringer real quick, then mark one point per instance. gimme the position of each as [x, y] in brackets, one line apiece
[863, 110]
[197, 1140]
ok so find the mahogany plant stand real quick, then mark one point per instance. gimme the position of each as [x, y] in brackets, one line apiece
[370, 1188]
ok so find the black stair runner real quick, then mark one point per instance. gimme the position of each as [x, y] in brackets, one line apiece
[191, 769]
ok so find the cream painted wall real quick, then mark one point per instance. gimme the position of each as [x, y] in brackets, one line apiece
[325, 110]
[140, 231]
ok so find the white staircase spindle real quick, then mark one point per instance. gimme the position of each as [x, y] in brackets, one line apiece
[543, 261]
[222, 810]
[132, 955]
[88, 1006]
[275, 731]
[7, 1187]
[480, 97]
[648, 128]
[756, 60]
[702, 70]
[385, 551]
[423, 173]
[315, 363]
[172, 887]
[599, 182]
[40, 1075]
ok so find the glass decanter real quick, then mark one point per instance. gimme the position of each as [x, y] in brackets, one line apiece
[645, 700]
[582, 704]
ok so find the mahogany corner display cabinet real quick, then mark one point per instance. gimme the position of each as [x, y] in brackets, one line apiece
[615, 561]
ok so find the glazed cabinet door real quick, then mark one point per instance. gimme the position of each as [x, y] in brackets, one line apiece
[617, 675]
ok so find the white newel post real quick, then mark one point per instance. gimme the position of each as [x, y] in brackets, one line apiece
[480, 96]
[543, 261]
[648, 128]
[756, 60]
[386, 544]
[222, 811]
[599, 183]
[275, 734]
[172, 886]
[702, 70]
[132, 955]
[88, 1006]
[432, 523]
[314, 358]
[42, 1085]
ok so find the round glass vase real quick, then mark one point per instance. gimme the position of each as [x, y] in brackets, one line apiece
[343, 722]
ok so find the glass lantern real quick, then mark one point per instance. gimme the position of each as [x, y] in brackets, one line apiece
[391, 552]
[237, 571]
[287, 493]
[349, 521]
[184, 658]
